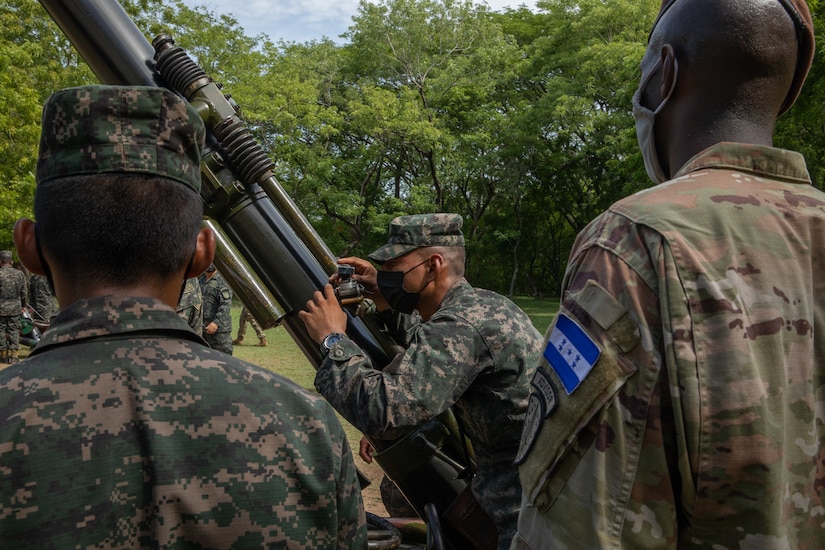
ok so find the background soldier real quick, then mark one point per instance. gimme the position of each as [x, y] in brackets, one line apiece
[41, 298]
[466, 348]
[122, 428]
[259, 332]
[190, 305]
[217, 317]
[12, 302]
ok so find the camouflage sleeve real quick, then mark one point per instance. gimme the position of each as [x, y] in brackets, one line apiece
[603, 454]
[442, 361]
[211, 302]
[41, 297]
[352, 526]
[24, 290]
[223, 316]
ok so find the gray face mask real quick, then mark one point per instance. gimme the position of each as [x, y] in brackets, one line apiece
[645, 119]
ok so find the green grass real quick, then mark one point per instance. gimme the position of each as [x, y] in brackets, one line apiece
[540, 310]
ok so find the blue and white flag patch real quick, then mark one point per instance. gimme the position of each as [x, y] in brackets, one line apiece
[571, 352]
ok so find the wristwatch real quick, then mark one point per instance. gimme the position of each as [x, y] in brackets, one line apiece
[329, 340]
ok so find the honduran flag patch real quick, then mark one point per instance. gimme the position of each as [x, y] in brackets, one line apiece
[571, 352]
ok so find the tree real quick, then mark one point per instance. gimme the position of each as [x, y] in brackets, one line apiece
[35, 59]
[800, 129]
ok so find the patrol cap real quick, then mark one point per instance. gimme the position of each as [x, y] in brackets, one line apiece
[6, 256]
[801, 16]
[410, 232]
[120, 129]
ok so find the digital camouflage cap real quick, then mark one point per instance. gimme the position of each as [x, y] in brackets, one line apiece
[6, 256]
[410, 232]
[120, 129]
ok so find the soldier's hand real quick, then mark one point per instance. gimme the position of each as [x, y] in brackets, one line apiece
[367, 276]
[211, 328]
[366, 450]
[365, 272]
[323, 315]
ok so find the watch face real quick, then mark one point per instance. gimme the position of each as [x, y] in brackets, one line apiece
[331, 339]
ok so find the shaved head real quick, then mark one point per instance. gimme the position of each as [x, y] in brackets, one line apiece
[736, 53]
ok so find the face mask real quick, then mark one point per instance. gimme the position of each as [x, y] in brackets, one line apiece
[645, 119]
[391, 286]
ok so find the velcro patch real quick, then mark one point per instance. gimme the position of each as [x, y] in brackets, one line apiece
[543, 401]
[571, 352]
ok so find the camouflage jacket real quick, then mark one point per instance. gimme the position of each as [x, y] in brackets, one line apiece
[124, 430]
[190, 306]
[476, 353]
[41, 297]
[690, 412]
[217, 303]
[12, 291]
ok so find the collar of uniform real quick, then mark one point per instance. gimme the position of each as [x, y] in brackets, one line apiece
[111, 316]
[759, 160]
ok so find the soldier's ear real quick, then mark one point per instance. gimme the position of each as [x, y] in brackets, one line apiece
[25, 242]
[204, 252]
[436, 263]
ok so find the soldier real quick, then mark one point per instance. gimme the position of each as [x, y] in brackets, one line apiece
[123, 428]
[12, 302]
[41, 298]
[259, 332]
[469, 349]
[190, 305]
[217, 304]
[694, 415]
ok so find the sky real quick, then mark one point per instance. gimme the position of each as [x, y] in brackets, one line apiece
[303, 20]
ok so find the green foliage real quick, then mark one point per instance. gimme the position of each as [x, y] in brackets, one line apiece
[35, 59]
[800, 129]
[520, 121]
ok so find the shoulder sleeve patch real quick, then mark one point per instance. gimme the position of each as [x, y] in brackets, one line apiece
[543, 401]
[571, 352]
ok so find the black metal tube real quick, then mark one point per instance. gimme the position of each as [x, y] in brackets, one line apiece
[107, 39]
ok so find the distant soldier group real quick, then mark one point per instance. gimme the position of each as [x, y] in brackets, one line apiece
[21, 294]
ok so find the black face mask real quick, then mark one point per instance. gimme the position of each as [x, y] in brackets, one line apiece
[391, 286]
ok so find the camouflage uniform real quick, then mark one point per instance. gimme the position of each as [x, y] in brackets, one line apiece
[190, 305]
[113, 434]
[699, 304]
[247, 316]
[12, 300]
[122, 429]
[217, 304]
[41, 298]
[476, 354]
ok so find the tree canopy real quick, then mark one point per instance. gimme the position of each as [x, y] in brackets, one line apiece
[519, 120]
